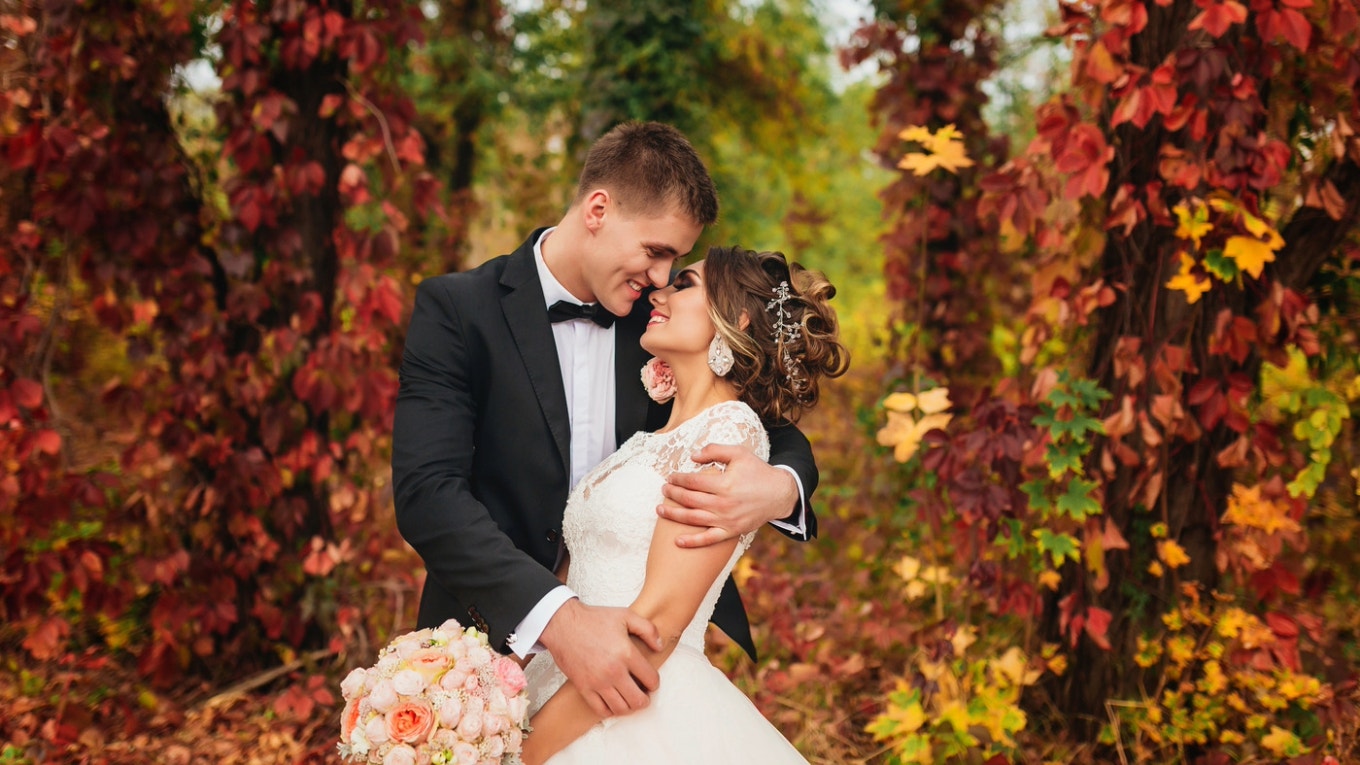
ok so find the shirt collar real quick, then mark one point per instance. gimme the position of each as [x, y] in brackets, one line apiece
[553, 290]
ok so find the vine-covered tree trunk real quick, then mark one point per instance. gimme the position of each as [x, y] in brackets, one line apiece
[1190, 117]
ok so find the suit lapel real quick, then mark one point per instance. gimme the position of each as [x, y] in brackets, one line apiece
[522, 303]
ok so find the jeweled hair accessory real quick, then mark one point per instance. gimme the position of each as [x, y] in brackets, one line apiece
[786, 332]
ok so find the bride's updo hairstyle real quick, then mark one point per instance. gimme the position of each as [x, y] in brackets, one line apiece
[777, 365]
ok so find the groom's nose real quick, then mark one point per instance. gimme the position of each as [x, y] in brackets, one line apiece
[660, 272]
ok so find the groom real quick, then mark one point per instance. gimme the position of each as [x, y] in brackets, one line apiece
[521, 375]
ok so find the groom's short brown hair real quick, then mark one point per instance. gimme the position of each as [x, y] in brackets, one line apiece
[649, 166]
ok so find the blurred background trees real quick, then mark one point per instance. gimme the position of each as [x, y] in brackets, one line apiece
[1089, 492]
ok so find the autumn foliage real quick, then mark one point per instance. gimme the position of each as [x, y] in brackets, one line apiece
[249, 304]
[1185, 216]
[1092, 499]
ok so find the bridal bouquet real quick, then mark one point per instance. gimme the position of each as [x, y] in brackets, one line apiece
[439, 696]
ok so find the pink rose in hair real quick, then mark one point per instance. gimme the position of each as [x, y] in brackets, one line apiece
[659, 381]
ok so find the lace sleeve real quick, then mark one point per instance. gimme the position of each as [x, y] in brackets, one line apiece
[732, 423]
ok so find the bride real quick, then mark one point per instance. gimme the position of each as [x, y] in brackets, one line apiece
[747, 339]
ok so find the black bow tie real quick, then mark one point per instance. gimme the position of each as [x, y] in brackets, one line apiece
[564, 310]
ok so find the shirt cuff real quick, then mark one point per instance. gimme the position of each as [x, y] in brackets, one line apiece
[796, 523]
[524, 640]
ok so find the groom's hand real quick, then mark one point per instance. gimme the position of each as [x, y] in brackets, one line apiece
[747, 495]
[593, 648]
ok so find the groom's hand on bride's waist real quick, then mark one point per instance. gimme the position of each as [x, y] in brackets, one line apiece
[748, 494]
[593, 648]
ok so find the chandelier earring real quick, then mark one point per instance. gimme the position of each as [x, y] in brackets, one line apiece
[720, 358]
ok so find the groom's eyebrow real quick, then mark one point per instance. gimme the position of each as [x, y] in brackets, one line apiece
[661, 250]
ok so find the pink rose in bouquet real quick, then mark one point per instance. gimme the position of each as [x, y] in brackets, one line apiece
[435, 696]
[659, 380]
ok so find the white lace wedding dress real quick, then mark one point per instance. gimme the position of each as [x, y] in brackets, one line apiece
[696, 715]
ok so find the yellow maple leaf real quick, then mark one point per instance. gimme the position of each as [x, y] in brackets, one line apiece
[1155, 569]
[1014, 667]
[1231, 622]
[1282, 743]
[933, 421]
[900, 402]
[1057, 665]
[1294, 686]
[936, 575]
[1188, 282]
[1214, 681]
[900, 433]
[945, 135]
[918, 163]
[1172, 554]
[1260, 228]
[908, 718]
[953, 156]
[934, 400]
[916, 133]
[944, 150]
[963, 637]
[907, 568]
[1246, 507]
[1050, 579]
[1251, 255]
[1194, 222]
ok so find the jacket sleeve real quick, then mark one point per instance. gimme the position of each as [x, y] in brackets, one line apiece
[465, 552]
[789, 447]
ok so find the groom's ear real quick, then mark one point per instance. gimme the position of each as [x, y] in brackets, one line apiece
[594, 207]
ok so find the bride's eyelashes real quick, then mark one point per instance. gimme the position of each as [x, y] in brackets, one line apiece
[683, 281]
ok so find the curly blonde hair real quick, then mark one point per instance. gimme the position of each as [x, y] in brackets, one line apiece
[776, 374]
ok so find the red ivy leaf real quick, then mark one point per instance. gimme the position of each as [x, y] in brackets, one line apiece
[27, 393]
[1218, 16]
[1098, 626]
[47, 441]
[44, 642]
[294, 704]
[1287, 24]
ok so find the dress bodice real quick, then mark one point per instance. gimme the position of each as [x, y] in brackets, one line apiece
[611, 515]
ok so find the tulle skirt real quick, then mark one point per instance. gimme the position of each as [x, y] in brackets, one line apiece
[696, 717]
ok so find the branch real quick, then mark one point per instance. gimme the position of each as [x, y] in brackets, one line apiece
[262, 679]
[1312, 235]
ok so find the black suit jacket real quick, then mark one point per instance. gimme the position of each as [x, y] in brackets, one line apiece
[481, 444]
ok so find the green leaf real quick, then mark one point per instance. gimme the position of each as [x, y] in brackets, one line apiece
[1062, 461]
[1077, 428]
[1037, 491]
[1089, 393]
[1077, 502]
[1223, 267]
[1058, 546]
